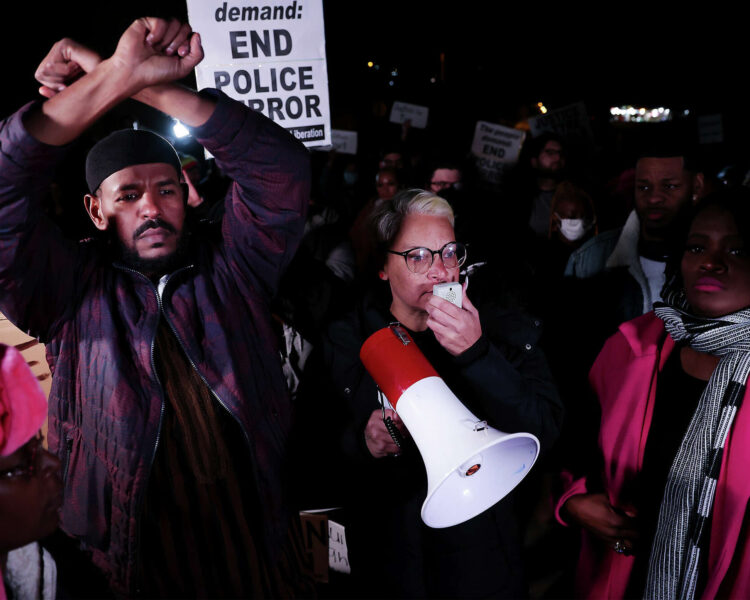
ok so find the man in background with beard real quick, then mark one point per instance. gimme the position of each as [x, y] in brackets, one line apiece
[614, 277]
[547, 162]
[168, 408]
[624, 268]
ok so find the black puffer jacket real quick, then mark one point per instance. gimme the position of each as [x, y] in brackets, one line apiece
[503, 378]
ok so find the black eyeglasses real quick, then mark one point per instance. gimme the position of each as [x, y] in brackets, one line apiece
[419, 260]
[28, 464]
[441, 185]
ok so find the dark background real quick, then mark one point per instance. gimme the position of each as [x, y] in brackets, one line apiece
[500, 58]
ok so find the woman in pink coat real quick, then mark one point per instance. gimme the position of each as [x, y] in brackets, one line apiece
[665, 516]
[30, 483]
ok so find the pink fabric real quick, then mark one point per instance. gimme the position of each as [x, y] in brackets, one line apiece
[624, 378]
[23, 405]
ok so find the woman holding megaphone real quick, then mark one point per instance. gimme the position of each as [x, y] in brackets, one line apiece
[488, 357]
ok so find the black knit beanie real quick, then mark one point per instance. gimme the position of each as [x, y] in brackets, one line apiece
[126, 148]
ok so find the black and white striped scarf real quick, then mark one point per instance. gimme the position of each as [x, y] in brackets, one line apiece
[691, 484]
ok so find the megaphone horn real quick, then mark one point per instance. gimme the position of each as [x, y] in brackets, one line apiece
[470, 465]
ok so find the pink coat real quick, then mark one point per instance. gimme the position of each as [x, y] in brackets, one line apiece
[624, 379]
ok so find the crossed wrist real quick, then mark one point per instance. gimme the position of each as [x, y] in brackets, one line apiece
[121, 75]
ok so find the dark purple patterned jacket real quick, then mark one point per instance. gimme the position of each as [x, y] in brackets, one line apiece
[99, 320]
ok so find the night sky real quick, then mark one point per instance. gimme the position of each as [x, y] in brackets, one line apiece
[498, 55]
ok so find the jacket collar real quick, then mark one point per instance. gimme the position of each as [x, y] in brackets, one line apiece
[626, 249]
[646, 336]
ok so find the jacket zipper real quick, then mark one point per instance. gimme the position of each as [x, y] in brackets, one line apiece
[139, 502]
[68, 452]
[153, 367]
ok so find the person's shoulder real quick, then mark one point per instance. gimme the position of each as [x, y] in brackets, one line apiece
[345, 326]
[591, 257]
[511, 325]
[598, 243]
[640, 337]
[644, 334]
[357, 321]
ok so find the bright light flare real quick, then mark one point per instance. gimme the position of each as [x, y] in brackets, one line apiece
[180, 131]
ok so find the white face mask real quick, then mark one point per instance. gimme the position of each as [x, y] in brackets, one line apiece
[572, 229]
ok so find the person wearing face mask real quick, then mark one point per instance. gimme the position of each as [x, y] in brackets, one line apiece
[662, 496]
[30, 484]
[617, 275]
[571, 230]
[624, 268]
[572, 222]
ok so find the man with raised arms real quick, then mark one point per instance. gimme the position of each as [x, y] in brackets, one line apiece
[168, 408]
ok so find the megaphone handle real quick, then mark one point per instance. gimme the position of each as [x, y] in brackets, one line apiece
[393, 430]
[396, 436]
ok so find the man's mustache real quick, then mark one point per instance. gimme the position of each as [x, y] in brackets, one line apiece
[152, 224]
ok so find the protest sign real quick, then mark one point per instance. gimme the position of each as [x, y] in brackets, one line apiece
[338, 555]
[710, 129]
[315, 539]
[495, 147]
[403, 111]
[325, 540]
[269, 55]
[342, 141]
[570, 121]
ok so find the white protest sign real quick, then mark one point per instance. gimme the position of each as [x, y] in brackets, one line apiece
[269, 55]
[403, 111]
[338, 555]
[344, 142]
[568, 121]
[495, 147]
[710, 129]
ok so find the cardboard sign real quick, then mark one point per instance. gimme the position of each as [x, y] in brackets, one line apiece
[315, 538]
[495, 147]
[271, 56]
[325, 542]
[344, 142]
[403, 111]
[568, 121]
[338, 555]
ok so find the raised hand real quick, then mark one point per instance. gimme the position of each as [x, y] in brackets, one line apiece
[66, 61]
[194, 198]
[150, 53]
[456, 329]
[154, 51]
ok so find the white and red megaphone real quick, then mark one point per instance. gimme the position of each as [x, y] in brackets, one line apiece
[470, 466]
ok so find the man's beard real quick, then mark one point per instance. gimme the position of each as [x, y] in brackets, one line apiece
[160, 265]
[666, 234]
[558, 173]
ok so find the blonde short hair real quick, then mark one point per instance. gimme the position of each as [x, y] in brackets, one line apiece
[389, 215]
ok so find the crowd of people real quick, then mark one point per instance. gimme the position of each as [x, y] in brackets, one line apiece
[204, 349]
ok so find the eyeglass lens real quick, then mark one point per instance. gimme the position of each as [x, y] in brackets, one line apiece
[419, 260]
